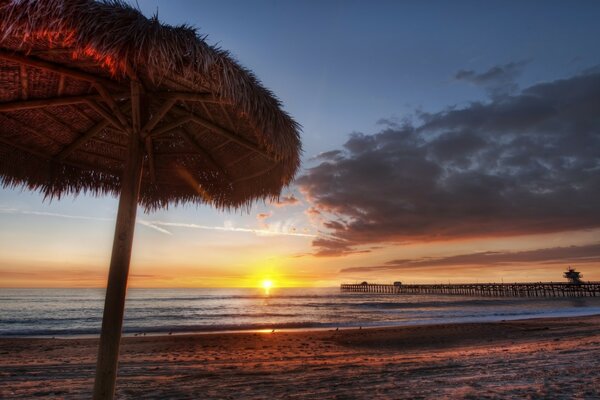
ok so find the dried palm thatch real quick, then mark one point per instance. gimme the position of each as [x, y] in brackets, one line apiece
[213, 134]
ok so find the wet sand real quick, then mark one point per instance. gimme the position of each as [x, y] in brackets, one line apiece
[543, 358]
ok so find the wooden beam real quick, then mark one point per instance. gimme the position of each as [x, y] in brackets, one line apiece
[104, 156]
[230, 135]
[57, 120]
[106, 115]
[112, 104]
[33, 131]
[24, 82]
[156, 118]
[49, 102]
[184, 96]
[256, 175]
[150, 154]
[125, 108]
[139, 117]
[227, 116]
[82, 114]
[176, 154]
[80, 164]
[61, 85]
[64, 153]
[203, 152]
[56, 68]
[241, 158]
[170, 126]
[136, 109]
[54, 101]
[51, 52]
[207, 112]
[107, 142]
[223, 131]
[224, 143]
[24, 148]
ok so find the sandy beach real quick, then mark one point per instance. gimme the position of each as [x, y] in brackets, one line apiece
[540, 358]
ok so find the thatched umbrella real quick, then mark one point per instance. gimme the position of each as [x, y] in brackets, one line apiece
[96, 98]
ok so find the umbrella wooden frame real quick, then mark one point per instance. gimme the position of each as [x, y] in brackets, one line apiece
[112, 320]
[140, 130]
[121, 86]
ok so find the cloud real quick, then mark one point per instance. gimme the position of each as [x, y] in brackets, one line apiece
[150, 225]
[159, 226]
[6, 210]
[514, 165]
[286, 201]
[231, 228]
[497, 81]
[328, 155]
[77, 217]
[262, 219]
[553, 255]
[263, 216]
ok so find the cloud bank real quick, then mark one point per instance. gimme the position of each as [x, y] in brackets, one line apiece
[563, 255]
[514, 165]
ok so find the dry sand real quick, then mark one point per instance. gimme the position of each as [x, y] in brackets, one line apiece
[544, 358]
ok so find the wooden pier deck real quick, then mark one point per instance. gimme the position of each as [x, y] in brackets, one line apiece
[536, 289]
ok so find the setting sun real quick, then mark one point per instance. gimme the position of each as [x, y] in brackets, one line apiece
[267, 284]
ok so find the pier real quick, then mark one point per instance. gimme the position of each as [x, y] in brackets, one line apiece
[535, 289]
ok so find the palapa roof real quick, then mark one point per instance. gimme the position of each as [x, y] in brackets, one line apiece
[213, 135]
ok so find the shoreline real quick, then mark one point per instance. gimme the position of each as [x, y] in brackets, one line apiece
[535, 358]
[269, 328]
[317, 330]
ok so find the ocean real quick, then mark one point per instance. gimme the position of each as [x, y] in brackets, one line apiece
[78, 312]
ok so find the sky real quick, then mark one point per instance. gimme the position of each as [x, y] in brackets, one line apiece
[443, 142]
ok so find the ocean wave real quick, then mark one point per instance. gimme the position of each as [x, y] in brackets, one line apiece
[78, 312]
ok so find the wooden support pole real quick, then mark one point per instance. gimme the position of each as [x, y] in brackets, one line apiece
[114, 305]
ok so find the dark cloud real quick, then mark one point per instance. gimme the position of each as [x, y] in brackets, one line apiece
[334, 247]
[498, 80]
[515, 165]
[328, 155]
[553, 255]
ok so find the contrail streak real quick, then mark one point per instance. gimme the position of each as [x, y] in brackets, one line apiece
[159, 225]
